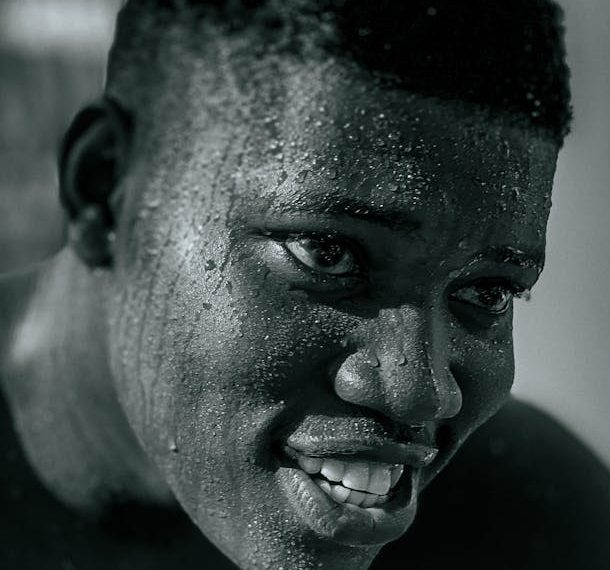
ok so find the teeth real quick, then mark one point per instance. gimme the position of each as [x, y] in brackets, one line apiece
[369, 500]
[339, 493]
[361, 484]
[310, 465]
[357, 476]
[380, 482]
[356, 498]
[396, 473]
[333, 470]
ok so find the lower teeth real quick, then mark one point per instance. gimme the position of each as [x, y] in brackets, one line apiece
[342, 494]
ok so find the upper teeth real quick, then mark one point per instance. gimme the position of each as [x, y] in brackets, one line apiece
[375, 478]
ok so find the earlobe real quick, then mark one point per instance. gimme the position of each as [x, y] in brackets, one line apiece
[93, 158]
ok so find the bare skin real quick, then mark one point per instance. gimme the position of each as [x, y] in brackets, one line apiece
[344, 267]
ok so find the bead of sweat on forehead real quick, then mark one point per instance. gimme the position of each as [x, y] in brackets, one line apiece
[507, 57]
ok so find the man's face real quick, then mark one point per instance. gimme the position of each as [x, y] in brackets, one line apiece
[313, 308]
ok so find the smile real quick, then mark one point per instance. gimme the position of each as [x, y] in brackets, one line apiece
[356, 495]
[362, 484]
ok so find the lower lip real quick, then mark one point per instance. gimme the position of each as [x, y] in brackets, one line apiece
[344, 523]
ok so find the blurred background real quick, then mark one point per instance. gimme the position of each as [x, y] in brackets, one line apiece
[52, 55]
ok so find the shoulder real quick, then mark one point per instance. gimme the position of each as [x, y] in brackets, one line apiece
[37, 531]
[523, 492]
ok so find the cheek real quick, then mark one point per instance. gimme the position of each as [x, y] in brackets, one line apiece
[283, 341]
[485, 371]
[206, 354]
[163, 293]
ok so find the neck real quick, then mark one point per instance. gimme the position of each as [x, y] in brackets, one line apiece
[59, 387]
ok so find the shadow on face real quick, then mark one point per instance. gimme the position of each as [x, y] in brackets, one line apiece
[312, 302]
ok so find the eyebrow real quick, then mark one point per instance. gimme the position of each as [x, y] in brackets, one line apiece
[393, 218]
[397, 219]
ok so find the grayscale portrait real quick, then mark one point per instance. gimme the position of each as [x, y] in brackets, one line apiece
[268, 295]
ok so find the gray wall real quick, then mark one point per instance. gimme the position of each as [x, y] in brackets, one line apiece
[563, 334]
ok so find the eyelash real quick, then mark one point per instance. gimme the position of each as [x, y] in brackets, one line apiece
[349, 246]
[510, 288]
[283, 238]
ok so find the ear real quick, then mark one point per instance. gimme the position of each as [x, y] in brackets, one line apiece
[93, 158]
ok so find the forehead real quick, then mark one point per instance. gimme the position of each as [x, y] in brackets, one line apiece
[329, 136]
[334, 114]
[343, 137]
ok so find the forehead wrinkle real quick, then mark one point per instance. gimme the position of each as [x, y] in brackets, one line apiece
[378, 205]
[338, 205]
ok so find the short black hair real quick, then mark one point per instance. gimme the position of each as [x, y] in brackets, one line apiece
[504, 55]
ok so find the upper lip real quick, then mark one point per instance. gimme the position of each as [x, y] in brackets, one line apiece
[373, 448]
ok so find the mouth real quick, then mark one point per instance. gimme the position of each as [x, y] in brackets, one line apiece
[362, 494]
[364, 484]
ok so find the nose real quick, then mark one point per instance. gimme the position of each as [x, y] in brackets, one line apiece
[401, 368]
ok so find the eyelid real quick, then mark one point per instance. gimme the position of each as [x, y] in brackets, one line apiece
[510, 283]
[285, 235]
[350, 248]
[357, 251]
[514, 289]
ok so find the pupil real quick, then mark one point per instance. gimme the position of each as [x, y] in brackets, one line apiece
[327, 254]
[492, 297]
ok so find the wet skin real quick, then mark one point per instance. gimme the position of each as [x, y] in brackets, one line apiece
[333, 278]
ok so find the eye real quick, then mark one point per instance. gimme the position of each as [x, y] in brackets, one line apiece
[494, 297]
[325, 254]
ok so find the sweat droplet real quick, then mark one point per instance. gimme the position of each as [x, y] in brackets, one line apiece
[153, 204]
[210, 265]
[282, 177]
[402, 361]
[373, 362]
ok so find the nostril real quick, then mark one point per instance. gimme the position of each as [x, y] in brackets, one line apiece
[334, 366]
[405, 390]
[418, 432]
[445, 438]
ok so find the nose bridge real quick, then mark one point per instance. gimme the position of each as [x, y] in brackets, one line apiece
[402, 333]
[401, 367]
